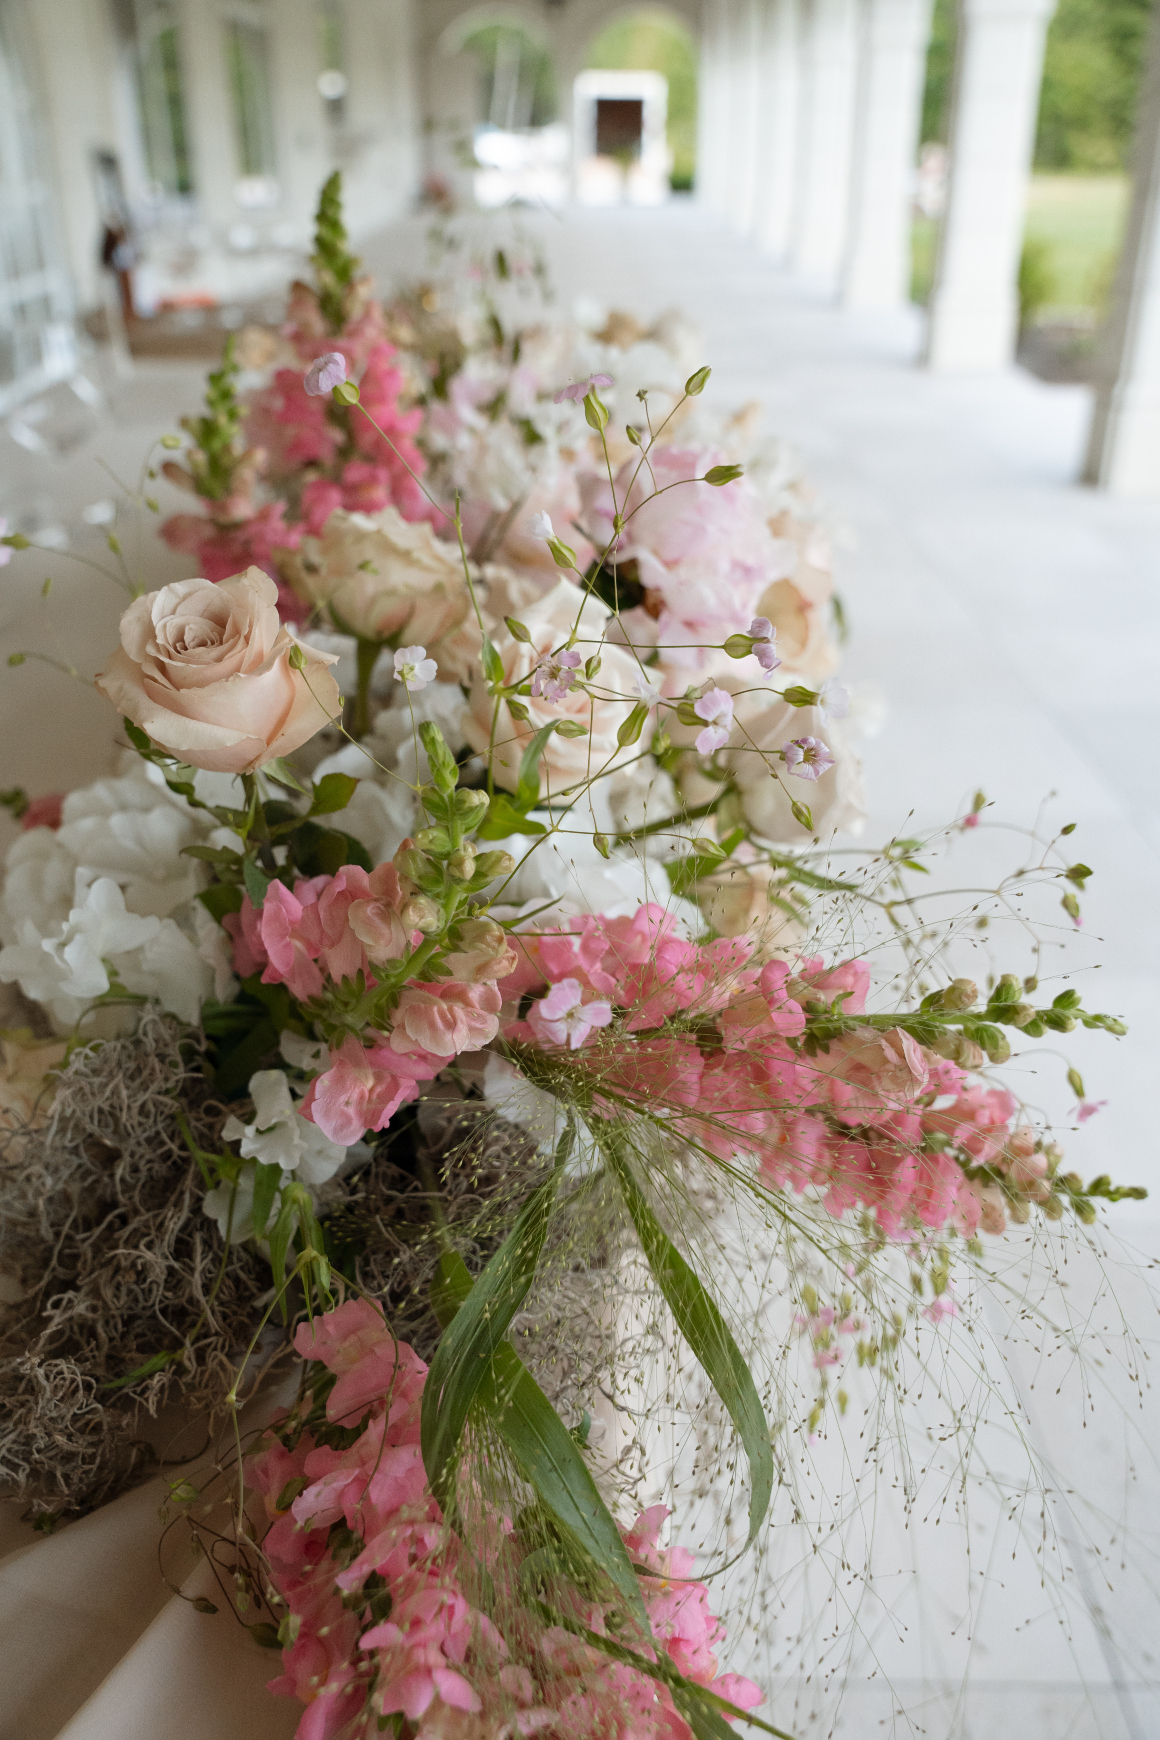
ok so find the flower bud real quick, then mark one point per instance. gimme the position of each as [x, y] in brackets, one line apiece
[461, 864]
[960, 994]
[957, 1048]
[1053, 1208]
[492, 864]
[436, 840]
[1021, 1014]
[471, 807]
[417, 865]
[421, 913]
[994, 1042]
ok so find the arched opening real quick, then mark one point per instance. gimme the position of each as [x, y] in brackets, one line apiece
[651, 39]
[518, 145]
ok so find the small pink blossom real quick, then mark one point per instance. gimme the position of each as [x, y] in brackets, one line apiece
[763, 635]
[715, 706]
[563, 1018]
[1088, 1109]
[580, 390]
[325, 373]
[807, 757]
[363, 1089]
[553, 679]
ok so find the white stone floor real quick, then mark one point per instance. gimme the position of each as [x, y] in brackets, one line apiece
[1012, 623]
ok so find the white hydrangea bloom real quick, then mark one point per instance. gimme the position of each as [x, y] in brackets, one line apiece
[113, 871]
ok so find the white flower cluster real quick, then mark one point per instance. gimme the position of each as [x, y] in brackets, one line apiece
[106, 903]
[277, 1135]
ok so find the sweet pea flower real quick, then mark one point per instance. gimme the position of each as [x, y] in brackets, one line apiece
[715, 706]
[325, 373]
[555, 677]
[763, 634]
[563, 1018]
[580, 390]
[413, 668]
[807, 757]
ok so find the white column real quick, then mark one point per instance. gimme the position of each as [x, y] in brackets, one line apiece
[209, 111]
[778, 141]
[974, 311]
[750, 33]
[1124, 448]
[876, 271]
[712, 108]
[829, 80]
[301, 146]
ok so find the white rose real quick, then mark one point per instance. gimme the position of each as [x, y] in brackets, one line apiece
[565, 762]
[381, 577]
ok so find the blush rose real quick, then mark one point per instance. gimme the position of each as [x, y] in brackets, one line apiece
[205, 671]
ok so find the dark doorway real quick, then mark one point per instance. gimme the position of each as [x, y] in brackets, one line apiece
[619, 125]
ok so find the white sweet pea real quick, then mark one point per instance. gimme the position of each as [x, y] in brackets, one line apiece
[231, 1204]
[280, 1136]
[98, 927]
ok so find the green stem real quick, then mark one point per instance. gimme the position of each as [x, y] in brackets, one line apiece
[368, 658]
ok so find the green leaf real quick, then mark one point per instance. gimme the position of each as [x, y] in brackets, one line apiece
[222, 855]
[631, 728]
[267, 1183]
[503, 818]
[332, 793]
[706, 1332]
[492, 663]
[281, 770]
[479, 1326]
[266, 1635]
[528, 787]
[157, 1362]
[543, 1450]
[141, 743]
[256, 880]
[220, 898]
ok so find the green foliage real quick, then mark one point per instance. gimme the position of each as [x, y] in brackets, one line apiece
[1036, 279]
[653, 41]
[706, 1332]
[1091, 75]
[334, 264]
[940, 61]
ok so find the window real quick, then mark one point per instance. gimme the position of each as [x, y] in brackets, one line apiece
[151, 27]
[35, 301]
[247, 62]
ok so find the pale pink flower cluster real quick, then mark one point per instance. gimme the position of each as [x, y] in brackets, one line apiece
[330, 928]
[704, 554]
[435, 1658]
[876, 1121]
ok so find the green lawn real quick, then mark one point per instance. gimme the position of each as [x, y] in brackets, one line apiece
[1077, 222]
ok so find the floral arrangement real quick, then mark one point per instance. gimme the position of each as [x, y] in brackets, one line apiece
[490, 989]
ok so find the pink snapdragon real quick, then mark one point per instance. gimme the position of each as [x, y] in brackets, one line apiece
[363, 1087]
[443, 1019]
[436, 1657]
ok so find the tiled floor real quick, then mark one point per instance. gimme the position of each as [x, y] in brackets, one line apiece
[1012, 623]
